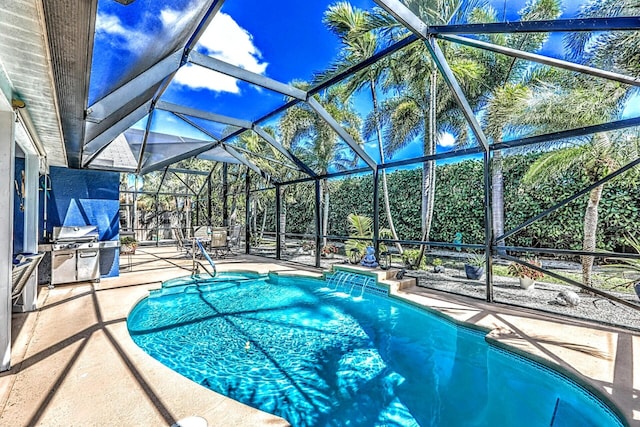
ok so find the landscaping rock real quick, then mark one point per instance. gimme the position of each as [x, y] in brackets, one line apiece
[568, 298]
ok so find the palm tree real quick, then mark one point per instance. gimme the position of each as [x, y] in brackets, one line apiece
[316, 143]
[263, 152]
[508, 78]
[349, 25]
[411, 110]
[572, 103]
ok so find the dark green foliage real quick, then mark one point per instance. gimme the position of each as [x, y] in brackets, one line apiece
[350, 195]
[459, 206]
[459, 203]
[404, 196]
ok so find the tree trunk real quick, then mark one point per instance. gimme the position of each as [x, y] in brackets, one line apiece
[325, 214]
[283, 218]
[429, 167]
[590, 228]
[264, 223]
[254, 216]
[497, 198]
[424, 196]
[430, 185]
[601, 145]
[385, 190]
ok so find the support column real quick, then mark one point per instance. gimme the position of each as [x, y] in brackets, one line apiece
[7, 168]
[488, 226]
[197, 221]
[209, 201]
[247, 213]
[157, 222]
[376, 213]
[30, 240]
[318, 221]
[225, 194]
[278, 221]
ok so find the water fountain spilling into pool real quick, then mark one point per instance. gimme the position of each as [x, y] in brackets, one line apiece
[348, 281]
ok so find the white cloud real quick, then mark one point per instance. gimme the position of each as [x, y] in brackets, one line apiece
[118, 34]
[142, 36]
[173, 19]
[445, 139]
[371, 144]
[197, 77]
[169, 17]
[223, 39]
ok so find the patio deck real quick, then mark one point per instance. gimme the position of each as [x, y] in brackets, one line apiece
[74, 363]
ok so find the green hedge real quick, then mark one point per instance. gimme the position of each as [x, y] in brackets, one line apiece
[459, 206]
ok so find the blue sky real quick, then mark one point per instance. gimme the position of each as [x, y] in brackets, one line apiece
[284, 40]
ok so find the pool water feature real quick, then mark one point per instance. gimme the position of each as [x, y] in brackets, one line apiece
[313, 354]
[348, 282]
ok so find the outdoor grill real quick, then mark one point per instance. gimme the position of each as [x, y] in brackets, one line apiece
[75, 254]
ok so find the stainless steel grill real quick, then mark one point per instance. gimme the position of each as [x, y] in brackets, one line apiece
[75, 254]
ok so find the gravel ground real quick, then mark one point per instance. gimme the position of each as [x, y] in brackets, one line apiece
[507, 290]
[543, 297]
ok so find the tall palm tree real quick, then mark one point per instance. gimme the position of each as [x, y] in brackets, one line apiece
[572, 105]
[507, 76]
[349, 24]
[569, 103]
[412, 84]
[255, 144]
[316, 143]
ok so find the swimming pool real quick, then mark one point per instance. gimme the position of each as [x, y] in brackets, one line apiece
[318, 356]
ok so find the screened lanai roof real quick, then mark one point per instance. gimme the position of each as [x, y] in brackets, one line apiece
[143, 84]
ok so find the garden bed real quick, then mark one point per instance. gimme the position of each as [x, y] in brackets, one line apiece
[543, 297]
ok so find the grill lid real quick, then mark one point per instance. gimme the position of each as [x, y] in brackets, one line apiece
[81, 233]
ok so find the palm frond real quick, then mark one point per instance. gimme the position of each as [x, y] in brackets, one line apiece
[552, 164]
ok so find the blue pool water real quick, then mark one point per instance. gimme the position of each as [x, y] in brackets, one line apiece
[326, 354]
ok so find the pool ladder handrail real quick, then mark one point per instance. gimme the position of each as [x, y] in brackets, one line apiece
[197, 263]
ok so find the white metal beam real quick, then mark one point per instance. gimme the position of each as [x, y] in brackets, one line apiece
[415, 24]
[405, 16]
[541, 59]
[171, 160]
[457, 92]
[179, 109]
[94, 147]
[134, 88]
[229, 149]
[313, 103]
[245, 75]
[275, 144]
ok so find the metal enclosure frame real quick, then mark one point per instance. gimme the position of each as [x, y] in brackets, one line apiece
[125, 105]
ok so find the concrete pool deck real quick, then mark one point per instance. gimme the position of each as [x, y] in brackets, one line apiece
[74, 364]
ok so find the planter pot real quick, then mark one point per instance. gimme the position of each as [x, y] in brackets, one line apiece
[527, 283]
[473, 272]
[127, 250]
